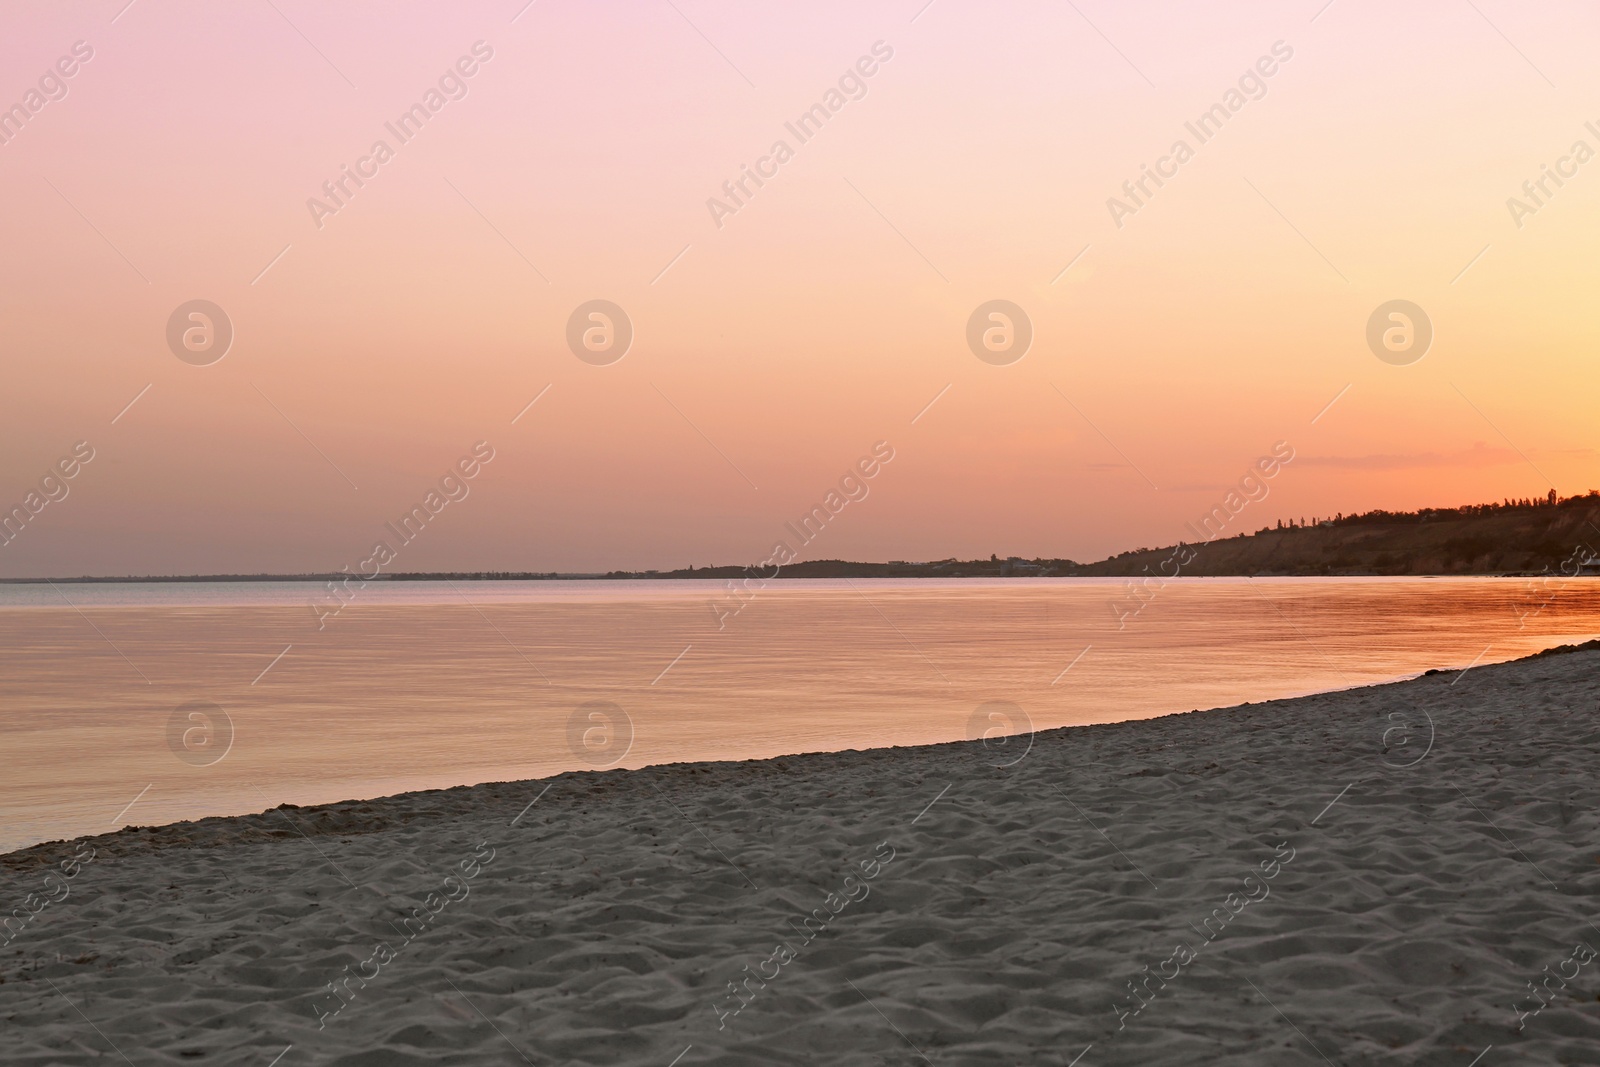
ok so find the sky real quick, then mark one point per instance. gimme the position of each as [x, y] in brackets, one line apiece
[783, 333]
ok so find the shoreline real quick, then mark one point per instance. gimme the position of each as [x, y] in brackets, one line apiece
[1393, 873]
[407, 694]
[335, 808]
[720, 574]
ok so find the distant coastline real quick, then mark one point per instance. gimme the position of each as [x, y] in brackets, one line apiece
[1515, 538]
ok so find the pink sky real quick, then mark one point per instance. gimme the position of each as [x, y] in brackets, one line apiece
[773, 350]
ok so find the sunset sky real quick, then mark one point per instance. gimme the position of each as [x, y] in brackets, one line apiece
[775, 344]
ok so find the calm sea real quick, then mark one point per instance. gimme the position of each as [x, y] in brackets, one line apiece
[152, 703]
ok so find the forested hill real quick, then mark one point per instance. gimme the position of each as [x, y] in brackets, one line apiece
[1512, 537]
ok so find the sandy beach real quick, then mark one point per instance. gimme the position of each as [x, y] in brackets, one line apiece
[1398, 874]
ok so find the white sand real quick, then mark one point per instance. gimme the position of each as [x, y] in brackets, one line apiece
[1403, 924]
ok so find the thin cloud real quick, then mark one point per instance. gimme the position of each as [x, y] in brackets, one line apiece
[1478, 456]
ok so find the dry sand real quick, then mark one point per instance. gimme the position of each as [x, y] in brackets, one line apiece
[1320, 879]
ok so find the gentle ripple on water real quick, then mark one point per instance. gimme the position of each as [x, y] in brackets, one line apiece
[429, 684]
